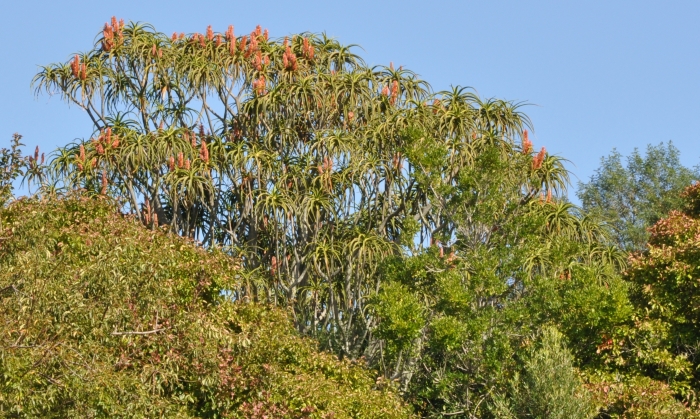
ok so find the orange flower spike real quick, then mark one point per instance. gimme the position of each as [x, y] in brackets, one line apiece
[258, 30]
[154, 50]
[182, 36]
[42, 158]
[115, 143]
[201, 41]
[286, 42]
[100, 149]
[104, 182]
[394, 91]
[219, 41]
[109, 134]
[266, 35]
[244, 41]
[75, 66]
[527, 144]
[232, 47]
[180, 160]
[83, 71]
[311, 52]
[174, 37]
[171, 163]
[539, 158]
[115, 24]
[391, 65]
[82, 153]
[257, 62]
[204, 152]
[385, 90]
[94, 162]
[187, 164]
[229, 33]
[193, 139]
[210, 33]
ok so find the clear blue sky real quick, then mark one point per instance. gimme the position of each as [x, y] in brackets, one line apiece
[600, 74]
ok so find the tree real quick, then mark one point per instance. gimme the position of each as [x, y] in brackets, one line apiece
[634, 196]
[453, 319]
[12, 166]
[290, 153]
[667, 293]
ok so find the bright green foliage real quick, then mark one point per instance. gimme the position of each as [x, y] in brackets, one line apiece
[104, 318]
[510, 270]
[549, 386]
[634, 196]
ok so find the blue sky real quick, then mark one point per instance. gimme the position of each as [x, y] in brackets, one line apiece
[599, 74]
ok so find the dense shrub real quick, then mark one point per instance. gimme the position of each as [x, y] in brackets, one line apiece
[104, 318]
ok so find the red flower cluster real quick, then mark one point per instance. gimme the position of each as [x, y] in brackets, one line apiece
[308, 50]
[527, 144]
[156, 52]
[289, 60]
[394, 92]
[259, 86]
[105, 139]
[204, 151]
[109, 31]
[539, 159]
[231, 38]
[79, 69]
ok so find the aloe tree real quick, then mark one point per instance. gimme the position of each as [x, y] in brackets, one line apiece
[313, 169]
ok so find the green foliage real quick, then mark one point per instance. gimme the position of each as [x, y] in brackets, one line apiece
[549, 387]
[510, 269]
[418, 232]
[634, 196]
[11, 165]
[103, 318]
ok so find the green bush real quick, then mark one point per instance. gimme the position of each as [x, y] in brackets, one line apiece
[549, 387]
[104, 318]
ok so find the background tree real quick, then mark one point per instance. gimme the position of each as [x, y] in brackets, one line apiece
[634, 196]
[666, 291]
